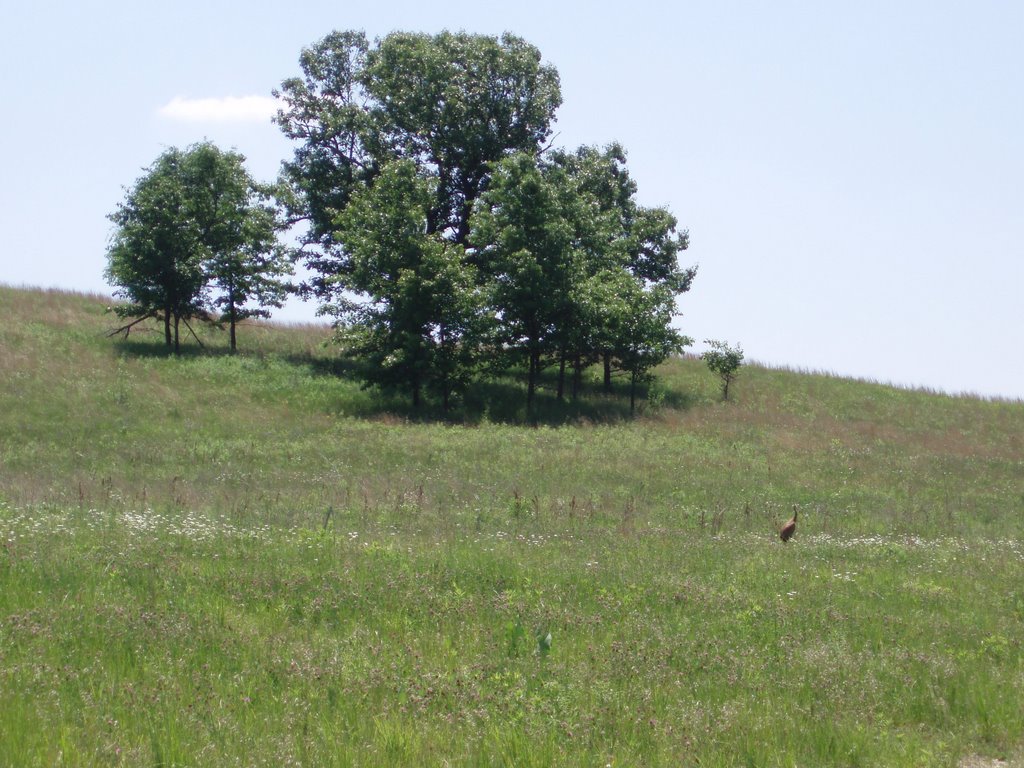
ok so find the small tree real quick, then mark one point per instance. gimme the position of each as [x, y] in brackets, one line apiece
[418, 309]
[156, 255]
[196, 220]
[615, 236]
[636, 326]
[238, 227]
[723, 361]
[523, 237]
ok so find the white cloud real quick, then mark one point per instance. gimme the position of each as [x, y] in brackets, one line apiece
[229, 109]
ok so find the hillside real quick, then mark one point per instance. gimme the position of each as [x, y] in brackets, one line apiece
[246, 559]
[93, 419]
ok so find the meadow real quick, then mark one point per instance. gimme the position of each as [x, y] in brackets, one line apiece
[245, 559]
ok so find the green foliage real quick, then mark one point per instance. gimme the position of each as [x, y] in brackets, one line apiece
[449, 103]
[194, 223]
[628, 278]
[239, 233]
[579, 269]
[634, 324]
[421, 324]
[522, 234]
[456, 102]
[327, 112]
[156, 256]
[395, 142]
[418, 146]
[515, 637]
[723, 361]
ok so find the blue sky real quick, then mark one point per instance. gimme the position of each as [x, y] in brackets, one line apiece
[852, 174]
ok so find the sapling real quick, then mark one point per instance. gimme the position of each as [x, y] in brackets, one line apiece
[723, 361]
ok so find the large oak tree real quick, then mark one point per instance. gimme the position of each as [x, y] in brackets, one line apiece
[403, 133]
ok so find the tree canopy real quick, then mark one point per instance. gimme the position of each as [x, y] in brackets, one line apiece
[724, 361]
[417, 328]
[438, 227]
[196, 237]
[156, 254]
[450, 103]
[446, 237]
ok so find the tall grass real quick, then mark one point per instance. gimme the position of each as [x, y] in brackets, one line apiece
[220, 559]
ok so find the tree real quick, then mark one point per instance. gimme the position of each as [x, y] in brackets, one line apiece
[156, 256]
[417, 328]
[459, 320]
[578, 269]
[596, 188]
[618, 238]
[195, 222]
[723, 361]
[238, 228]
[454, 103]
[523, 238]
[451, 104]
[646, 337]
[421, 166]
[635, 325]
[328, 112]
[255, 271]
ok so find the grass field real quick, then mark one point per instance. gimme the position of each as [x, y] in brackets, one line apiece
[246, 560]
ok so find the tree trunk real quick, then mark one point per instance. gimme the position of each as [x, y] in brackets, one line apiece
[561, 377]
[177, 342]
[445, 371]
[167, 327]
[607, 371]
[470, 190]
[632, 393]
[531, 384]
[577, 376]
[231, 312]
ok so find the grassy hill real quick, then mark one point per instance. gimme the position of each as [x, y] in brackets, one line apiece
[246, 559]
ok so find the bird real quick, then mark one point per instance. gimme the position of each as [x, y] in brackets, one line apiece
[787, 531]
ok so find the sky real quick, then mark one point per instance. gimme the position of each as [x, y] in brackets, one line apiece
[851, 173]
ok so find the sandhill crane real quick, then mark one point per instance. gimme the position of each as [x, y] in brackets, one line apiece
[789, 528]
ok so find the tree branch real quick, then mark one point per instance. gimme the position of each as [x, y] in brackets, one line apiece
[549, 145]
[126, 329]
[185, 321]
